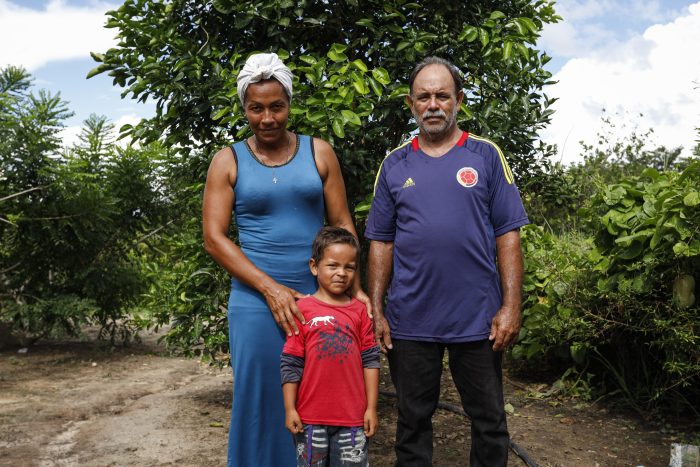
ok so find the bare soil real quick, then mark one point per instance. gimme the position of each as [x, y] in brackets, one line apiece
[85, 403]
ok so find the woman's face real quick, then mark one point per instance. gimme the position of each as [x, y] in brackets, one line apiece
[267, 110]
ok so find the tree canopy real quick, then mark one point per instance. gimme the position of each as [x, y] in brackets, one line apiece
[69, 218]
[351, 61]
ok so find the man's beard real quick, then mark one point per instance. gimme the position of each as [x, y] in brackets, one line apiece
[436, 129]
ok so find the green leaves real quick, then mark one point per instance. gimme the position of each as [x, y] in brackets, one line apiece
[66, 241]
[350, 117]
[336, 53]
[469, 34]
[381, 75]
[653, 219]
[351, 64]
[691, 199]
[343, 95]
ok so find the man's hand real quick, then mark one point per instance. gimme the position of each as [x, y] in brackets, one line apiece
[370, 422]
[505, 328]
[378, 273]
[381, 331]
[293, 422]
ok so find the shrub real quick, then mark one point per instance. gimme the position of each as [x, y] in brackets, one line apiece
[606, 303]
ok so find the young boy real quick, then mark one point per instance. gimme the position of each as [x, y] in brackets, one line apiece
[330, 370]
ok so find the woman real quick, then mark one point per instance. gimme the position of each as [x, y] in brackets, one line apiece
[279, 185]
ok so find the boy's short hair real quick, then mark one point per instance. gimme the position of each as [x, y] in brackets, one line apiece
[328, 236]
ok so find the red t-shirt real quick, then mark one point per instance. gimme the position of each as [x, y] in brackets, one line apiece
[332, 389]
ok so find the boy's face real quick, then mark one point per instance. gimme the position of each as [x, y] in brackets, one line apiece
[336, 269]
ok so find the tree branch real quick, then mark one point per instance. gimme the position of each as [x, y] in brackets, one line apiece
[14, 195]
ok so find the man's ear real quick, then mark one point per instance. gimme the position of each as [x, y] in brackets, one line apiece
[409, 101]
[460, 98]
[313, 268]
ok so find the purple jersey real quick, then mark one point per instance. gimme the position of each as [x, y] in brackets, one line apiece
[443, 215]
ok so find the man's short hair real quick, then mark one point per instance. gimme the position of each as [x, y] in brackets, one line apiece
[433, 60]
[328, 236]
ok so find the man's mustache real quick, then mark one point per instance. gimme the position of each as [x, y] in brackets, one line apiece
[434, 113]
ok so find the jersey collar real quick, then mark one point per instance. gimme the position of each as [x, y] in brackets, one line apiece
[462, 139]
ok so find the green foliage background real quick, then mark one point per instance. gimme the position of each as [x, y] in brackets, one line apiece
[110, 235]
[69, 219]
[351, 61]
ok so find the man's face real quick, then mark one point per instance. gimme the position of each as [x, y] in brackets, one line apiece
[433, 101]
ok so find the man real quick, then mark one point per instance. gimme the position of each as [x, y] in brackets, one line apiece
[446, 217]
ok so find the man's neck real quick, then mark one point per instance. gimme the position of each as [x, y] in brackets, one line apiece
[438, 145]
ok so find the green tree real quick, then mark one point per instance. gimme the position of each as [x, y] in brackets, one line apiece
[351, 61]
[618, 151]
[69, 219]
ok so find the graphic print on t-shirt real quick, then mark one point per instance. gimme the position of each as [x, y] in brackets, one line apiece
[334, 344]
[467, 177]
[321, 319]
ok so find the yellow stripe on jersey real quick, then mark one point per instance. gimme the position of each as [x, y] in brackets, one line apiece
[506, 168]
[376, 178]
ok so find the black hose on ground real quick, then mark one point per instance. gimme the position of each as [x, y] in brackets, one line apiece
[520, 452]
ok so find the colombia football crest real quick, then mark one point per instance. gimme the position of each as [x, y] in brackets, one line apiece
[467, 177]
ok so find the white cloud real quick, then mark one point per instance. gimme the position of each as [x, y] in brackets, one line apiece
[70, 134]
[131, 119]
[591, 25]
[655, 74]
[33, 38]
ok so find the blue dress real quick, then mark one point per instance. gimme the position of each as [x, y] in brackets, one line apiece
[278, 211]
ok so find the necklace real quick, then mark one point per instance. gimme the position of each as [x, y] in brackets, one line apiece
[273, 167]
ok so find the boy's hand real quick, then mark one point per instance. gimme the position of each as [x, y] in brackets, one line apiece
[370, 422]
[293, 422]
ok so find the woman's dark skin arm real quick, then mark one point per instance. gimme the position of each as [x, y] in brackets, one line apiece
[337, 212]
[216, 217]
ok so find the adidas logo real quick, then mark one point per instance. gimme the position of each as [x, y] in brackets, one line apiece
[408, 182]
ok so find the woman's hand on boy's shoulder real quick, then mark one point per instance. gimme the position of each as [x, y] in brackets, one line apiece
[362, 297]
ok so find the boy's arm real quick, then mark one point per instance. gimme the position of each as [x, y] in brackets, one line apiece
[291, 371]
[292, 420]
[372, 392]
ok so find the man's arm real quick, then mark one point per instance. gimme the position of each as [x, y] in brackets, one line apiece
[506, 322]
[378, 274]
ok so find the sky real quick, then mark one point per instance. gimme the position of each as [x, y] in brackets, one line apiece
[636, 61]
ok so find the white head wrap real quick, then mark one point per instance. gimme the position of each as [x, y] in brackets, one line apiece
[264, 66]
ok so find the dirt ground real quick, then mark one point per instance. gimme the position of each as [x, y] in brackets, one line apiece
[84, 403]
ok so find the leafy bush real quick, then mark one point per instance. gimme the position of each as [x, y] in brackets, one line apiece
[647, 236]
[69, 218]
[553, 328]
[609, 300]
[188, 292]
[55, 317]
